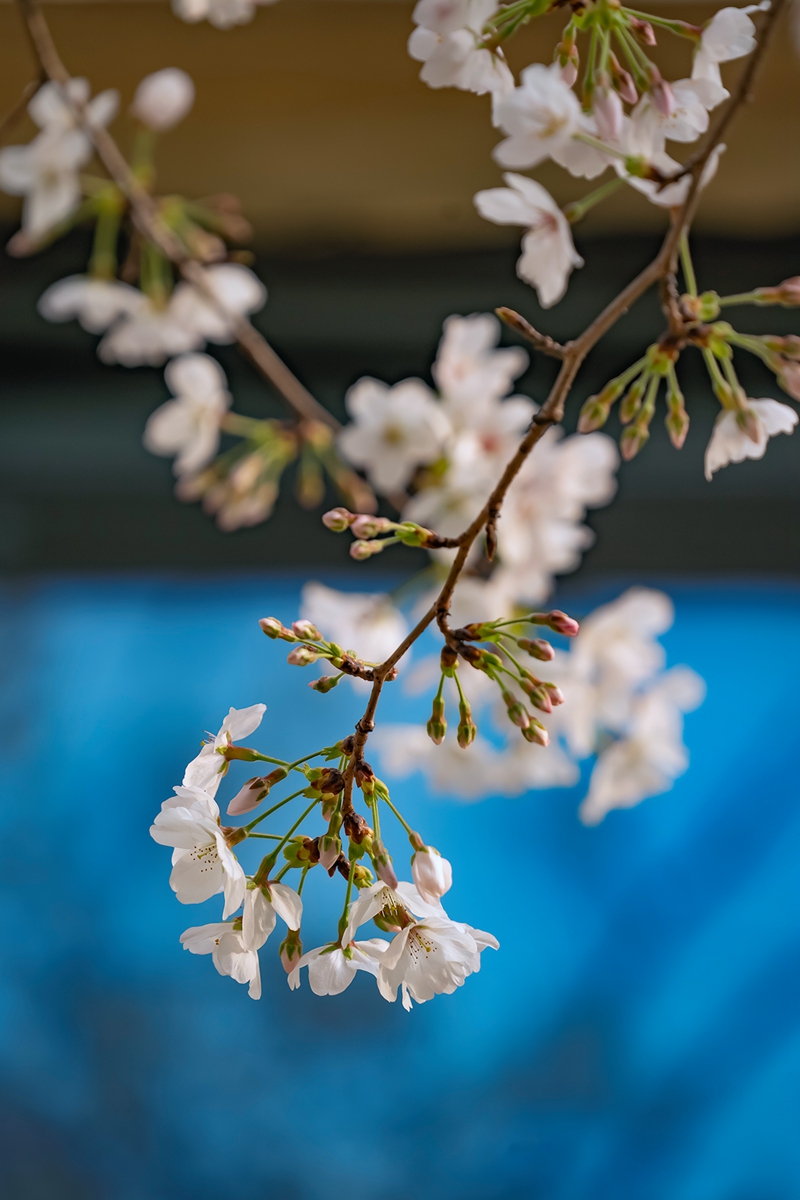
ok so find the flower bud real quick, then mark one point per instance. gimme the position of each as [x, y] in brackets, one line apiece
[632, 440]
[642, 31]
[163, 99]
[632, 401]
[330, 847]
[622, 80]
[338, 519]
[467, 728]
[368, 527]
[537, 648]
[306, 629]
[382, 862]
[291, 950]
[301, 656]
[786, 293]
[662, 94]
[593, 414]
[437, 725]
[274, 628]
[516, 711]
[432, 874]
[569, 72]
[749, 423]
[555, 693]
[677, 422]
[254, 791]
[325, 683]
[559, 622]
[361, 550]
[536, 733]
[607, 108]
[537, 693]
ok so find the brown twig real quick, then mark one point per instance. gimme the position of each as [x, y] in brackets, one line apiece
[543, 343]
[146, 216]
[572, 354]
[10, 119]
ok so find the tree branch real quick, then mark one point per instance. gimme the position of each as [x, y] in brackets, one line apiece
[13, 115]
[147, 218]
[572, 354]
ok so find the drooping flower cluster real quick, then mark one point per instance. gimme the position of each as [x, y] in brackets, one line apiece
[429, 955]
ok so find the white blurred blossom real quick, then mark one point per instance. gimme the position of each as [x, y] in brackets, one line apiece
[394, 430]
[729, 441]
[94, 303]
[163, 99]
[548, 252]
[367, 623]
[540, 117]
[447, 41]
[189, 425]
[222, 13]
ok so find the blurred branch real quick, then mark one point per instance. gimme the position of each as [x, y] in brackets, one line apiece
[148, 220]
[10, 119]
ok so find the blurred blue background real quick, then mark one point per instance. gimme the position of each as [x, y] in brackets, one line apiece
[637, 1036]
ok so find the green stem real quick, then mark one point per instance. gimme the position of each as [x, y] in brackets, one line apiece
[741, 298]
[461, 695]
[103, 263]
[283, 871]
[274, 808]
[305, 871]
[588, 140]
[676, 27]
[578, 208]
[274, 837]
[402, 821]
[269, 862]
[588, 78]
[688, 267]
[717, 378]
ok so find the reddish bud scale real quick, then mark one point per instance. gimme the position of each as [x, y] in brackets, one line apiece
[537, 648]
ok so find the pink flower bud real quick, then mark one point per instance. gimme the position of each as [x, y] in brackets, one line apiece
[363, 550]
[432, 874]
[536, 733]
[368, 527]
[749, 423]
[301, 656]
[569, 72]
[248, 797]
[643, 31]
[625, 86]
[559, 622]
[329, 850]
[608, 114]
[537, 648]
[338, 519]
[305, 629]
[383, 865]
[272, 627]
[291, 950]
[662, 93]
[555, 693]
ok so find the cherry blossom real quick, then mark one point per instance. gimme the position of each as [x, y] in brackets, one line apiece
[431, 957]
[225, 943]
[221, 13]
[236, 292]
[729, 34]
[448, 41]
[548, 252]
[94, 303]
[469, 369]
[540, 116]
[189, 425]
[147, 334]
[261, 904]
[432, 874]
[394, 430]
[206, 770]
[163, 99]
[51, 107]
[673, 194]
[45, 172]
[729, 441]
[332, 968]
[202, 862]
[651, 755]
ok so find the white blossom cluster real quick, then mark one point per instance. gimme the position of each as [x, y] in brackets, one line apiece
[429, 955]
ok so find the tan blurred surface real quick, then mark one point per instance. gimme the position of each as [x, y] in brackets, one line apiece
[314, 116]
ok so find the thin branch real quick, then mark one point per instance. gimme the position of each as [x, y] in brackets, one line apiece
[10, 119]
[148, 219]
[572, 354]
[543, 343]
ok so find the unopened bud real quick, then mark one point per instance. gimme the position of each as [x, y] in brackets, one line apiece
[338, 519]
[569, 72]
[662, 93]
[306, 629]
[537, 648]
[367, 526]
[361, 550]
[593, 414]
[677, 423]
[788, 346]
[632, 440]
[536, 733]
[632, 401]
[559, 622]
[325, 683]
[642, 31]
[537, 693]
[608, 113]
[274, 628]
[516, 711]
[254, 791]
[555, 693]
[291, 950]
[301, 656]
[330, 847]
[437, 725]
[465, 734]
[786, 293]
[622, 81]
[382, 862]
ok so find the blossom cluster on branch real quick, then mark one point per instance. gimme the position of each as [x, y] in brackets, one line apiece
[482, 480]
